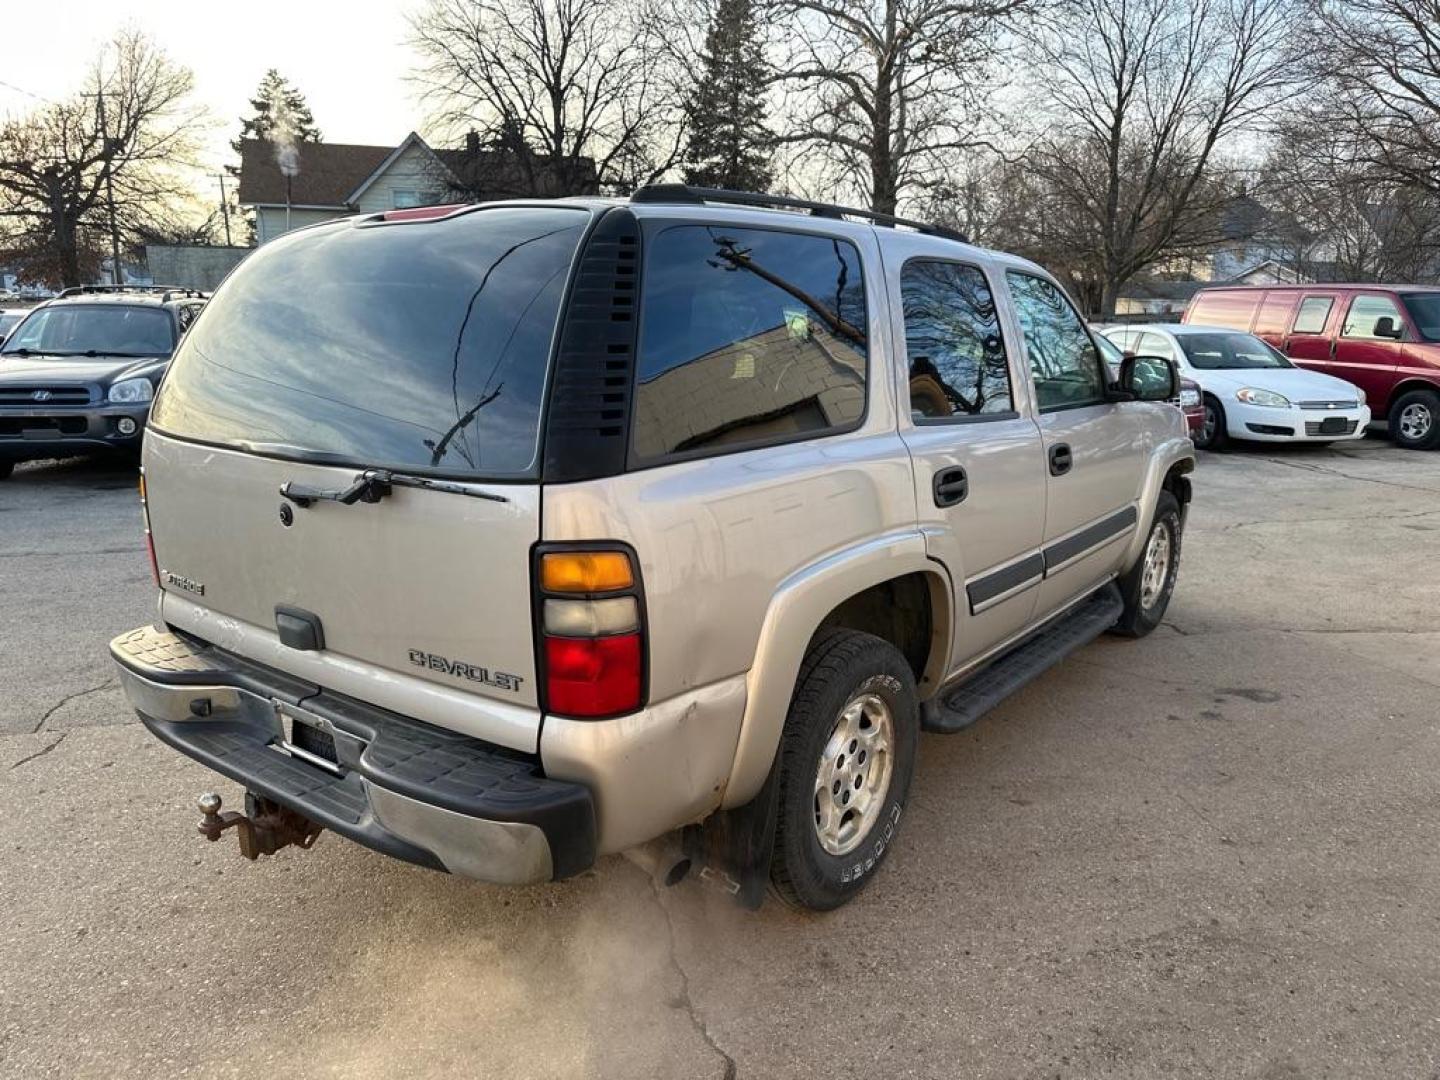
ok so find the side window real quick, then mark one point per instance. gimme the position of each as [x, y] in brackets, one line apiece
[953, 341]
[1365, 312]
[747, 337]
[1063, 360]
[1152, 344]
[1313, 314]
[186, 315]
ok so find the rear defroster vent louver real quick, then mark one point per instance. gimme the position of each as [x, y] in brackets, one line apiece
[588, 417]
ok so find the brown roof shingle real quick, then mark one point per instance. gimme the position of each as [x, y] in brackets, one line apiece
[329, 172]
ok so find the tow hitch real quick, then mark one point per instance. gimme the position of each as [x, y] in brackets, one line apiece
[263, 830]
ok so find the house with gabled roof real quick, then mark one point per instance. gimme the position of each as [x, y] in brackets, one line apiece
[334, 180]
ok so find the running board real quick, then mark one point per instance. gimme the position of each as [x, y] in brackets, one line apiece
[954, 710]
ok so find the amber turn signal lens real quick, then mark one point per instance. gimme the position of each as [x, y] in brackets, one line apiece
[585, 571]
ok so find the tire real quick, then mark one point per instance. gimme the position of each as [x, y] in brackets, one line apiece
[1145, 596]
[843, 669]
[1415, 420]
[1218, 439]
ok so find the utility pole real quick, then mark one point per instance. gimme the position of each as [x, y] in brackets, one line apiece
[224, 208]
[109, 151]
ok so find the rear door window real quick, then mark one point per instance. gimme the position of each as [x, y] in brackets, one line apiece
[748, 337]
[1314, 313]
[958, 366]
[1153, 344]
[416, 346]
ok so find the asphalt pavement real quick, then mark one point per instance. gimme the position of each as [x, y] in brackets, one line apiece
[1212, 852]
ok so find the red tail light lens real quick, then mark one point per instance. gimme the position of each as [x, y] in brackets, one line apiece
[593, 677]
[154, 566]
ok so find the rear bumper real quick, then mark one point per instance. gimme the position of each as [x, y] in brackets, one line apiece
[410, 790]
[31, 433]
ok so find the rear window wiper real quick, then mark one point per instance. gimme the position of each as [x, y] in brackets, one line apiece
[372, 485]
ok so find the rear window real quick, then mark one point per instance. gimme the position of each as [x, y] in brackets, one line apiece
[1230, 309]
[422, 347]
[748, 337]
[103, 329]
[1424, 308]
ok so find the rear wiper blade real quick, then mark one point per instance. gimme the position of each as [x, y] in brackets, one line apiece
[372, 485]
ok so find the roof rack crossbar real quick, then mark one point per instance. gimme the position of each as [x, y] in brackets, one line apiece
[687, 193]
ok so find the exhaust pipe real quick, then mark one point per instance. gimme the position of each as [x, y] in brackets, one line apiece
[664, 859]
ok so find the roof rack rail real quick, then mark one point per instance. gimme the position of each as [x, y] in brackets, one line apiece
[168, 291]
[685, 193]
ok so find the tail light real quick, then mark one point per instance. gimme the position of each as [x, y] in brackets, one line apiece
[591, 632]
[149, 541]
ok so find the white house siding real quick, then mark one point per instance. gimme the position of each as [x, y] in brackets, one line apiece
[270, 220]
[415, 170]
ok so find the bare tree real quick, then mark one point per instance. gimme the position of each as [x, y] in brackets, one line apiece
[117, 143]
[1353, 219]
[569, 90]
[1381, 61]
[1138, 99]
[885, 92]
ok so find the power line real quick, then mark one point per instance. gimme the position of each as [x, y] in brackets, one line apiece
[22, 90]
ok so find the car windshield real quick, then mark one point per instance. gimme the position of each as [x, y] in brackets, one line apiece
[1230, 352]
[1424, 308]
[94, 330]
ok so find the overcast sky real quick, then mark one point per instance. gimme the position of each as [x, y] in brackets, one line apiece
[350, 62]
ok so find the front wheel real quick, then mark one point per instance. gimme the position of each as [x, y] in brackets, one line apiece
[1147, 586]
[1415, 420]
[846, 757]
[1213, 435]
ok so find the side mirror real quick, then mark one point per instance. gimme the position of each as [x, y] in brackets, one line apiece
[1385, 327]
[1149, 378]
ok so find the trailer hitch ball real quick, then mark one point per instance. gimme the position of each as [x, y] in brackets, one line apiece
[271, 827]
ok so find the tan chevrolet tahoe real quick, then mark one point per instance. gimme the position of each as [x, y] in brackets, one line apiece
[499, 538]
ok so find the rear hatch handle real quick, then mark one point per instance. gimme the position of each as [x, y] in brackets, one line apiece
[372, 485]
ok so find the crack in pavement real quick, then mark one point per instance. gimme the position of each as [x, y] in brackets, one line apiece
[1310, 467]
[695, 1020]
[40, 724]
[39, 753]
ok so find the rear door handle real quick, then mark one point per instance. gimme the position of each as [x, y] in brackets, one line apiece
[951, 486]
[1060, 459]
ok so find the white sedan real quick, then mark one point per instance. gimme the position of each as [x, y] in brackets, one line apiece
[1251, 391]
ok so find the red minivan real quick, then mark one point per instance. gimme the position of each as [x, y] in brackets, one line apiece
[1383, 338]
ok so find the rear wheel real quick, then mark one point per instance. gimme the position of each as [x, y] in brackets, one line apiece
[1147, 586]
[1415, 420]
[1213, 434]
[847, 754]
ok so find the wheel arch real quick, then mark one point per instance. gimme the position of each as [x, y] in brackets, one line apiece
[848, 588]
[1169, 470]
[1404, 387]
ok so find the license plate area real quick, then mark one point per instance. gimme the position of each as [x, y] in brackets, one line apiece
[1333, 425]
[305, 736]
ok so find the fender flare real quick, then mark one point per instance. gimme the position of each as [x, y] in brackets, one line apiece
[1163, 458]
[800, 602]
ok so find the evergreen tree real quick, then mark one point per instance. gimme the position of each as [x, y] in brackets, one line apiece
[725, 109]
[279, 109]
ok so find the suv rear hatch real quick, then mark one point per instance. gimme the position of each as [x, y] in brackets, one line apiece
[420, 348]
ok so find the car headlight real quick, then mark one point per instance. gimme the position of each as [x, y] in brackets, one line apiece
[1360, 395]
[1251, 395]
[1189, 398]
[131, 391]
